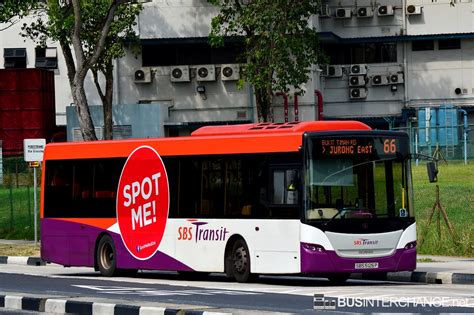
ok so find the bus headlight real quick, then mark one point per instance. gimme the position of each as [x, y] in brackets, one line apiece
[410, 245]
[313, 247]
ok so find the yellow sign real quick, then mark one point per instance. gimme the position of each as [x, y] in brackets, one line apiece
[33, 164]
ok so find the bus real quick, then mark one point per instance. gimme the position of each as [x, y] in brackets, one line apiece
[325, 198]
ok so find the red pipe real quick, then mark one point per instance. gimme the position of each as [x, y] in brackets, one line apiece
[296, 107]
[319, 96]
[285, 104]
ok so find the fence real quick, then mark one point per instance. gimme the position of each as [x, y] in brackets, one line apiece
[16, 199]
[450, 143]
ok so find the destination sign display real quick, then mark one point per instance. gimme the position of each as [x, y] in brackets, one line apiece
[361, 146]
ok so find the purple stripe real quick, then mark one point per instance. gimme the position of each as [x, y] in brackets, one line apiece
[329, 262]
[73, 244]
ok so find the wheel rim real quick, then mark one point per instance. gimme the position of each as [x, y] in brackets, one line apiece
[240, 260]
[107, 256]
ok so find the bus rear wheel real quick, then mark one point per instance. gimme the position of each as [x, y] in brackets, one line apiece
[240, 262]
[106, 257]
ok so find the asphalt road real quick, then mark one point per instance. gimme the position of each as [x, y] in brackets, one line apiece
[268, 294]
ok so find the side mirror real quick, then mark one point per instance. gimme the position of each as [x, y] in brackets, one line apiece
[432, 172]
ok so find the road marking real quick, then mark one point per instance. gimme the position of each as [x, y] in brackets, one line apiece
[148, 292]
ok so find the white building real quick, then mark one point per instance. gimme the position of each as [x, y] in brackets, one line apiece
[387, 59]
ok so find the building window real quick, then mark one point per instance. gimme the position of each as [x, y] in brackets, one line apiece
[421, 45]
[450, 43]
[361, 53]
[46, 57]
[14, 58]
[173, 54]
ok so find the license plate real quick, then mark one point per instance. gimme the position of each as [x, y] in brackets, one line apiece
[371, 265]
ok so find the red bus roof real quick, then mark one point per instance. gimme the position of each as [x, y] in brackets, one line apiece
[230, 139]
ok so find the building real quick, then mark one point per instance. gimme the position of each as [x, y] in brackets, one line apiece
[388, 59]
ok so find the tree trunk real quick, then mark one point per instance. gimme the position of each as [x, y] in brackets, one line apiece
[106, 98]
[82, 107]
[263, 104]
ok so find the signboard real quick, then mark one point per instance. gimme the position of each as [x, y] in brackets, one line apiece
[143, 202]
[34, 149]
[381, 147]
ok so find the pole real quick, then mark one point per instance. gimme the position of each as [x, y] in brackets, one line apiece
[35, 207]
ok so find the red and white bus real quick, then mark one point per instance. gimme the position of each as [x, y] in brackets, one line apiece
[329, 198]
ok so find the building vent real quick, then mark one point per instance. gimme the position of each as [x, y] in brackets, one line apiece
[365, 12]
[357, 80]
[331, 71]
[357, 93]
[179, 74]
[142, 75]
[230, 72]
[379, 79]
[358, 69]
[324, 11]
[413, 10]
[385, 10]
[206, 73]
[396, 78]
[343, 13]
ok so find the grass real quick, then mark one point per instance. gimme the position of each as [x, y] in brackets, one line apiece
[455, 180]
[19, 250]
[456, 185]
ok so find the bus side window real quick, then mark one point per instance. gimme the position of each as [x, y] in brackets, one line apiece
[285, 186]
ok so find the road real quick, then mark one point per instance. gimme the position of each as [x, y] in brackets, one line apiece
[215, 292]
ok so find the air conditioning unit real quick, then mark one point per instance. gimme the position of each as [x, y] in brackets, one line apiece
[413, 9]
[343, 13]
[357, 80]
[357, 93]
[324, 11]
[206, 73]
[331, 71]
[365, 12]
[379, 79]
[142, 75]
[358, 69]
[179, 74]
[395, 78]
[230, 72]
[385, 10]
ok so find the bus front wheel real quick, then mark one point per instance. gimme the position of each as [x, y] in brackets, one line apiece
[106, 257]
[240, 261]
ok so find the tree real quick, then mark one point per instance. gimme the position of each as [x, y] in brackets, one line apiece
[11, 11]
[280, 44]
[91, 34]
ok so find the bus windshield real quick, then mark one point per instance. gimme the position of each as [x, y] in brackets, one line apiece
[357, 178]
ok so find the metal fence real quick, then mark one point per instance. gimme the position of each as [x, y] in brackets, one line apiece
[17, 199]
[450, 143]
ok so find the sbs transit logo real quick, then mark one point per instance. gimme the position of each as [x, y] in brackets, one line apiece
[143, 202]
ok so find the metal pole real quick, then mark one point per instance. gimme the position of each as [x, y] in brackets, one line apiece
[35, 207]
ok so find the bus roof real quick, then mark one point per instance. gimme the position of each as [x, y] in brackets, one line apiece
[229, 139]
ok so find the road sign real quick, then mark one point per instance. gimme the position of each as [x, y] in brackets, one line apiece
[33, 149]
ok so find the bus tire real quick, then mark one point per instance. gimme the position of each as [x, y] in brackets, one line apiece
[106, 257]
[338, 278]
[240, 261]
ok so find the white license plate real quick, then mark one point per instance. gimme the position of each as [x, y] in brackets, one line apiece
[371, 265]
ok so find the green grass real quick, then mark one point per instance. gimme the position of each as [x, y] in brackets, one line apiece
[17, 222]
[456, 184]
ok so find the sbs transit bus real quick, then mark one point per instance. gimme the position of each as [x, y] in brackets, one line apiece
[326, 198]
